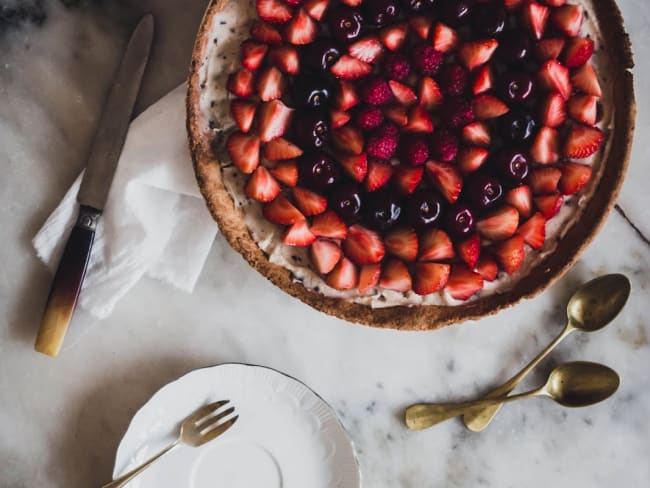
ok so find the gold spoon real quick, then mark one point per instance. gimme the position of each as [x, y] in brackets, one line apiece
[575, 384]
[592, 307]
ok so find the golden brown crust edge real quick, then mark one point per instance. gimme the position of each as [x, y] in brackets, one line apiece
[546, 273]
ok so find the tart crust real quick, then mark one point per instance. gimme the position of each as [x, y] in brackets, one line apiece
[545, 273]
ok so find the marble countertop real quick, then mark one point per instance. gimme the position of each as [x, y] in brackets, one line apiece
[61, 420]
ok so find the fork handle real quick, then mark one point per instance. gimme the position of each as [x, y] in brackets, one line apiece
[125, 478]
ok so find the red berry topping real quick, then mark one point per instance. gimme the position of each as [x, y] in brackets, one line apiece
[382, 143]
[457, 112]
[396, 67]
[368, 118]
[426, 60]
[453, 79]
[444, 145]
[376, 91]
[413, 149]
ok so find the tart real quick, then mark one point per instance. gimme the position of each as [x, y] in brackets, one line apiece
[410, 163]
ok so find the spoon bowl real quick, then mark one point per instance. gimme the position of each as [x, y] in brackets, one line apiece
[598, 302]
[580, 383]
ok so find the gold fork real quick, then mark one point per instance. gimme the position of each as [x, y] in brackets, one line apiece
[198, 428]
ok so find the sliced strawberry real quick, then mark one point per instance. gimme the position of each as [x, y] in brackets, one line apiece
[554, 3]
[281, 211]
[346, 96]
[338, 118]
[553, 113]
[446, 179]
[243, 112]
[352, 3]
[568, 18]
[273, 11]
[489, 107]
[397, 114]
[244, 151]
[367, 49]
[430, 277]
[252, 54]
[499, 224]
[294, 3]
[535, 17]
[394, 36]
[549, 48]
[355, 166]
[369, 277]
[270, 84]
[316, 8]
[329, 224]
[298, 235]
[549, 205]
[512, 4]
[521, 198]
[586, 80]
[345, 275]
[421, 25]
[574, 177]
[285, 58]
[583, 141]
[578, 52]
[241, 83]
[476, 53]
[435, 245]
[546, 147]
[544, 181]
[469, 250]
[584, 108]
[534, 231]
[273, 119]
[308, 202]
[487, 267]
[350, 68]
[363, 246]
[395, 276]
[403, 93]
[510, 254]
[302, 29]
[477, 134]
[263, 32]
[419, 120]
[348, 139]
[286, 172]
[445, 38]
[429, 93]
[280, 148]
[483, 80]
[471, 158]
[463, 283]
[325, 255]
[403, 243]
[407, 178]
[261, 186]
[554, 76]
[379, 173]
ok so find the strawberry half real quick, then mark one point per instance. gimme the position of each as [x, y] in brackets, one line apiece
[476, 53]
[286, 172]
[549, 205]
[338, 118]
[355, 166]
[261, 186]
[273, 11]
[429, 93]
[435, 245]
[543, 181]
[521, 198]
[403, 243]
[397, 114]
[499, 224]
[549, 48]
[252, 54]
[281, 211]
[446, 179]
[489, 107]
[279, 149]
[583, 141]
[535, 17]
[471, 158]
[568, 18]
[395, 276]
[402, 93]
[578, 52]
[469, 250]
[263, 32]
[316, 8]
[574, 177]
[586, 80]
[512, 4]
[367, 49]
[346, 96]
[554, 76]
[270, 84]
[483, 80]
[241, 83]
[584, 108]
[350, 68]
[298, 235]
[407, 178]
[301, 29]
[379, 173]
[477, 134]
[510, 254]
[445, 38]
[244, 151]
[430, 277]
[394, 36]
[534, 231]
[463, 283]
[419, 120]
[329, 224]
[348, 139]
[546, 146]
[363, 246]
[488, 268]
[325, 255]
[345, 275]
[286, 59]
[369, 277]
[553, 113]
[243, 112]
[421, 25]
[308, 202]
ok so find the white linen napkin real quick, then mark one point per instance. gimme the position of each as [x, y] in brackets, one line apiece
[155, 222]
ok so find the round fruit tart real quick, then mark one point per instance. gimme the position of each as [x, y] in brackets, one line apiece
[410, 163]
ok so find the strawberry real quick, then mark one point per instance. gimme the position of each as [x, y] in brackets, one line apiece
[483, 80]
[397, 114]
[421, 25]
[520, 198]
[352, 3]
[429, 93]
[280, 148]
[446, 179]
[545, 148]
[241, 83]
[329, 224]
[285, 58]
[369, 277]
[281, 211]
[270, 84]
[338, 118]
[583, 141]
[487, 267]
[379, 173]
[430, 277]
[549, 48]
[252, 54]
[489, 107]
[403, 243]
[476, 53]
[348, 139]
[554, 3]
[346, 96]
[471, 158]
[325, 255]
[554, 76]
[574, 177]
[512, 4]
[435, 245]
[243, 112]
[585, 80]
[394, 36]
[549, 205]
[355, 166]
[469, 250]
[543, 181]
[273, 119]
[578, 52]
[298, 235]
[263, 32]
[244, 151]
[407, 178]
[419, 120]
[345, 275]
[463, 282]
[316, 8]
[534, 231]
[477, 134]
[350, 68]
[261, 186]
[445, 38]
[510, 254]
[367, 49]
[553, 113]
[308, 202]
[499, 224]
[273, 11]
[568, 18]
[584, 108]
[363, 246]
[535, 17]
[286, 172]
[301, 29]
[402, 93]
[395, 276]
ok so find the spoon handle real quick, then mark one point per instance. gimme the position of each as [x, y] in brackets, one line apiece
[478, 419]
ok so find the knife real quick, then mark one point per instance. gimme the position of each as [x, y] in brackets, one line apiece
[104, 154]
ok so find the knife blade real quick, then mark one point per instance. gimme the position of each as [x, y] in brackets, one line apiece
[103, 157]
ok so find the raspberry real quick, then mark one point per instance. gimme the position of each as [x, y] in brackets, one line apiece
[383, 142]
[413, 149]
[376, 91]
[368, 118]
[457, 112]
[426, 60]
[444, 145]
[397, 67]
[453, 79]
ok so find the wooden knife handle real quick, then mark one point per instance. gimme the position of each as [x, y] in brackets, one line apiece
[67, 283]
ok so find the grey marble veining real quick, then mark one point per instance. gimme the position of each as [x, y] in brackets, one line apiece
[61, 421]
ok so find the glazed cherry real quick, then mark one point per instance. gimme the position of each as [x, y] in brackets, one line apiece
[345, 200]
[489, 19]
[512, 164]
[483, 191]
[516, 86]
[383, 210]
[424, 208]
[518, 126]
[317, 170]
[320, 55]
[345, 23]
[514, 47]
[311, 91]
[419, 5]
[380, 12]
[457, 12]
[310, 130]
[459, 220]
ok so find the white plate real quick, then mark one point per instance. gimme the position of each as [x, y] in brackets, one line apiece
[286, 435]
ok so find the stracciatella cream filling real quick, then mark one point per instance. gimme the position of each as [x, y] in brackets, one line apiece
[230, 27]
